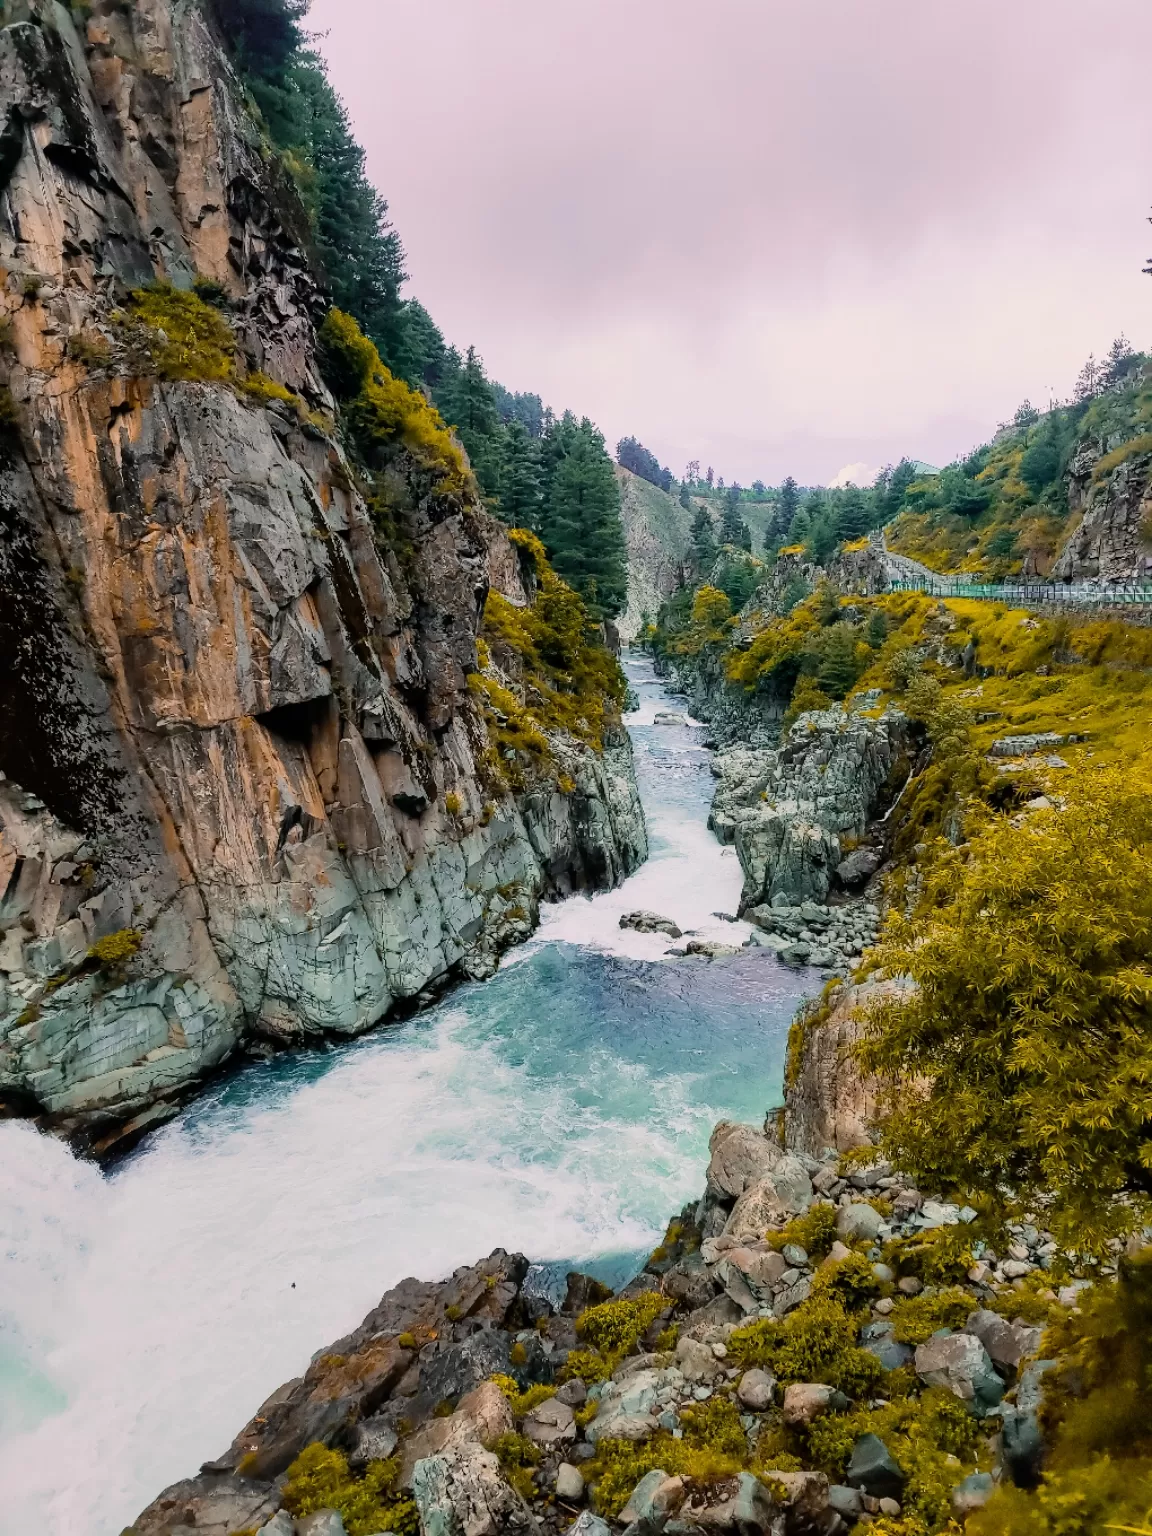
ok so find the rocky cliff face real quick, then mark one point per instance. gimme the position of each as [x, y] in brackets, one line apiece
[247, 791]
[1110, 538]
[787, 811]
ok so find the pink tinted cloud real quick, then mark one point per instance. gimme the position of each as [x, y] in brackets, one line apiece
[780, 238]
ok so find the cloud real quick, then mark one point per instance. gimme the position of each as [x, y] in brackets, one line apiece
[854, 474]
[772, 237]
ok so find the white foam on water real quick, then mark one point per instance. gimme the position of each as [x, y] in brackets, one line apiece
[146, 1315]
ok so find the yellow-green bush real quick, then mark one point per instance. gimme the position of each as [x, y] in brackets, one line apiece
[522, 1403]
[173, 333]
[620, 1464]
[815, 1342]
[319, 1479]
[518, 1458]
[815, 1231]
[916, 1318]
[615, 1328]
[116, 949]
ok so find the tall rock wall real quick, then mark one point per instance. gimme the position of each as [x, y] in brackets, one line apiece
[246, 790]
[1110, 528]
[658, 534]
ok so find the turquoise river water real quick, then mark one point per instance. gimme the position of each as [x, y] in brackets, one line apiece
[562, 1109]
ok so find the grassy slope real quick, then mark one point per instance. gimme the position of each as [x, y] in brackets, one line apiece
[658, 533]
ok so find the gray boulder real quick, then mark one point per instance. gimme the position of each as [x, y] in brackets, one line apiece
[569, 1483]
[373, 1440]
[859, 866]
[462, 1493]
[655, 1497]
[741, 1155]
[785, 1191]
[755, 1389]
[1006, 1344]
[281, 1524]
[858, 1221]
[874, 1469]
[879, 1340]
[1021, 1436]
[325, 1522]
[650, 922]
[960, 1362]
[550, 1423]
[972, 1493]
[589, 1525]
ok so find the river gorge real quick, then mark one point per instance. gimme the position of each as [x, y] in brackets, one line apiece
[561, 1109]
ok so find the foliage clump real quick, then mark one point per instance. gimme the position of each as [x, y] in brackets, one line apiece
[319, 1478]
[916, 1318]
[815, 1342]
[815, 1231]
[386, 416]
[1032, 942]
[173, 333]
[116, 949]
[615, 1328]
[714, 1447]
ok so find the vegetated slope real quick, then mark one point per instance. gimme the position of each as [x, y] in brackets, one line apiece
[658, 534]
[263, 775]
[1064, 494]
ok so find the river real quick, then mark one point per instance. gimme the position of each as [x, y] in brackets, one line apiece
[562, 1108]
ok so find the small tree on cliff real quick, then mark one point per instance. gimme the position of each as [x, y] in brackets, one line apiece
[1022, 1061]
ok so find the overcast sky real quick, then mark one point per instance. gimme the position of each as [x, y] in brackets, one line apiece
[775, 237]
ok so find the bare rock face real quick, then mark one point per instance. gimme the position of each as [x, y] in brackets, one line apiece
[1109, 540]
[787, 809]
[828, 1103]
[236, 736]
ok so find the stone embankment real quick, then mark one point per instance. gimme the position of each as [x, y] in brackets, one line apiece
[248, 797]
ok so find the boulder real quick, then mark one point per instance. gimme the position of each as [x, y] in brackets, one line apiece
[1006, 1344]
[589, 1525]
[696, 1361]
[324, 1522]
[972, 1493]
[960, 1362]
[860, 865]
[858, 1222]
[848, 1503]
[281, 1524]
[372, 1440]
[807, 1400]
[874, 1469]
[879, 1340]
[550, 1423]
[569, 1483]
[461, 1493]
[213, 1505]
[655, 1497]
[650, 922]
[573, 1392]
[741, 1155]
[481, 1417]
[1021, 1435]
[805, 1499]
[755, 1389]
[785, 1191]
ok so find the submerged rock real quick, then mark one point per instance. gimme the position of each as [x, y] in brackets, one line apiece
[650, 922]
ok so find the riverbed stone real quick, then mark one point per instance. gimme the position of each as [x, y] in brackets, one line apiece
[960, 1362]
[873, 1469]
[462, 1493]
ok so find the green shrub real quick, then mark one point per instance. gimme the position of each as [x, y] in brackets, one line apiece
[620, 1464]
[916, 1318]
[518, 1459]
[176, 335]
[319, 1479]
[816, 1342]
[116, 949]
[615, 1328]
[815, 1231]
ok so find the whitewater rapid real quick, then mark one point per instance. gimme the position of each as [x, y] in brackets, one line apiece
[561, 1109]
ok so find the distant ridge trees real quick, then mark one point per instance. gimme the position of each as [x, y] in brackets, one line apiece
[631, 454]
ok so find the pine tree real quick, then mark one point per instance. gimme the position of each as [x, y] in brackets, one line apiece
[786, 506]
[855, 514]
[580, 518]
[732, 526]
[520, 494]
[468, 405]
[685, 499]
[703, 540]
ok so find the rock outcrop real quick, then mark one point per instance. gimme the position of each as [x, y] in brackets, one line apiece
[788, 809]
[658, 534]
[247, 791]
[1110, 519]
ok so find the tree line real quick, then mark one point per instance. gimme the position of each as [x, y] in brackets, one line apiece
[550, 474]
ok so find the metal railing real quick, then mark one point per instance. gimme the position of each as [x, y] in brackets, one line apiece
[1029, 594]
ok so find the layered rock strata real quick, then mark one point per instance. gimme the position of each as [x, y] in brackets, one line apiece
[247, 792]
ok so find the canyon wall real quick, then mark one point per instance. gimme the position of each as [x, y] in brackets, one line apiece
[247, 792]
